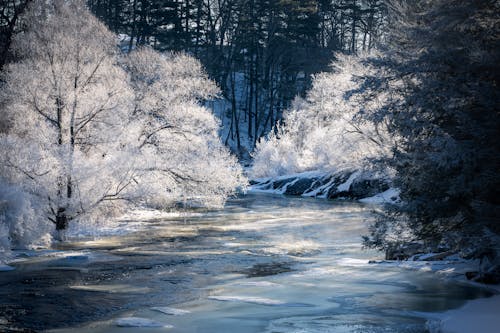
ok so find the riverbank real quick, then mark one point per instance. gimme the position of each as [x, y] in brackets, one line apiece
[348, 184]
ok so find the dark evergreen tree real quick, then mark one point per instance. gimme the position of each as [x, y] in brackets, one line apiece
[443, 61]
[10, 13]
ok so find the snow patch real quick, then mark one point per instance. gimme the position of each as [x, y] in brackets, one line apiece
[390, 196]
[345, 186]
[480, 315]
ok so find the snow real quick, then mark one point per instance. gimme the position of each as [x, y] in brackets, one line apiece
[139, 322]
[222, 109]
[345, 186]
[170, 311]
[265, 185]
[321, 189]
[305, 174]
[389, 196]
[479, 315]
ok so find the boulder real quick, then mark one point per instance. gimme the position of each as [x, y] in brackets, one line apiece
[278, 184]
[263, 185]
[300, 186]
[338, 179]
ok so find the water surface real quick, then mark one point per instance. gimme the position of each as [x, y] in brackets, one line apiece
[263, 264]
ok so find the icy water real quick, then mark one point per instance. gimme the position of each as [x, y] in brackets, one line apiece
[263, 264]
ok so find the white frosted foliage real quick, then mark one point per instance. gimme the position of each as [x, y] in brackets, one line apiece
[92, 131]
[324, 131]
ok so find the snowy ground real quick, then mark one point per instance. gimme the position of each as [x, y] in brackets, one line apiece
[480, 315]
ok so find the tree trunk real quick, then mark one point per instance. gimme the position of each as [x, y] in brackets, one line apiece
[61, 219]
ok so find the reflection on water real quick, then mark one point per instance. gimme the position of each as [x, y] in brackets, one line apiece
[263, 264]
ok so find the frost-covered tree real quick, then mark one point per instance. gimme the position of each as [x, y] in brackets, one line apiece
[67, 100]
[178, 147]
[90, 132]
[327, 131]
[20, 224]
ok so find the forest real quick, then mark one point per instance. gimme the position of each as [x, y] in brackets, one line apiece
[110, 108]
[258, 52]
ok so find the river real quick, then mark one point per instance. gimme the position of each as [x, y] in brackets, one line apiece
[262, 264]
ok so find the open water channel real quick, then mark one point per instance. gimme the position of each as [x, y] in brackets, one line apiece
[262, 264]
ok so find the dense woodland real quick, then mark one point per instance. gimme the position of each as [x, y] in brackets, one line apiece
[404, 89]
[261, 53]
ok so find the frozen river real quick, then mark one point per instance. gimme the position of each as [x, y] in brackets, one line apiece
[262, 264]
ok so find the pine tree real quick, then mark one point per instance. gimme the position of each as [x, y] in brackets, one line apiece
[443, 63]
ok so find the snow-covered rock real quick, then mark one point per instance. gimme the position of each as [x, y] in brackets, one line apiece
[347, 184]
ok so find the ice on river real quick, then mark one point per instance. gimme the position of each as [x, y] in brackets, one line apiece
[113, 288]
[170, 311]
[139, 322]
[248, 299]
[5, 268]
[258, 300]
[259, 284]
[352, 262]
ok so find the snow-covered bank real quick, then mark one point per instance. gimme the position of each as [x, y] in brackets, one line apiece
[346, 184]
[479, 315]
